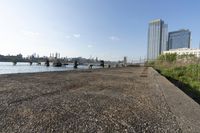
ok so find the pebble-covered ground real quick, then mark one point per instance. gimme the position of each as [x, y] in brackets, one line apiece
[105, 100]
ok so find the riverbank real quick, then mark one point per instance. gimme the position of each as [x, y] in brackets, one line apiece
[187, 78]
[182, 70]
[101, 100]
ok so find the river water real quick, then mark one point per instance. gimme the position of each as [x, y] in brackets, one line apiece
[24, 67]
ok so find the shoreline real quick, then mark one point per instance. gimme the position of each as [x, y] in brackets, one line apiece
[10, 69]
[79, 70]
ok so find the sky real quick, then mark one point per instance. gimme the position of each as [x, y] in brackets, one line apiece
[107, 29]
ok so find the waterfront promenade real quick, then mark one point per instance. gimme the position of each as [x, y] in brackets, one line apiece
[135, 99]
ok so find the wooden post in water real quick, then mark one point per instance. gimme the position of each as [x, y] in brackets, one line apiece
[14, 63]
[90, 66]
[76, 64]
[39, 63]
[102, 63]
[47, 62]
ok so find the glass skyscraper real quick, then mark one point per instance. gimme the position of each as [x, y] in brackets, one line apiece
[157, 38]
[179, 39]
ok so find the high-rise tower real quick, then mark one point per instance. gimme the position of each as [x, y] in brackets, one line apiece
[157, 38]
[179, 39]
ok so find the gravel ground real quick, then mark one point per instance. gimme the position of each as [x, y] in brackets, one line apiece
[104, 100]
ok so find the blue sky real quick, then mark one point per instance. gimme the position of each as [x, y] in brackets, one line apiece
[108, 29]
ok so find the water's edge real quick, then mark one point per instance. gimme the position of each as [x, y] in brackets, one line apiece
[9, 68]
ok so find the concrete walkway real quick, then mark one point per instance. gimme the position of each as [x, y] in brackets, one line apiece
[134, 99]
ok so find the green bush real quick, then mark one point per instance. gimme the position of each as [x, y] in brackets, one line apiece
[150, 63]
[186, 56]
[168, 57]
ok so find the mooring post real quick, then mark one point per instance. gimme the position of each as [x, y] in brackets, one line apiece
[90, 66]
[47, 62]
[76, 64]
[14, 63]
[102, 63]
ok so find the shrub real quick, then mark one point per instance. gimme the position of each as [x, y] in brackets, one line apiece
[168, 57]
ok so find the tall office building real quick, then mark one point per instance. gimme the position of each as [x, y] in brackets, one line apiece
[179, 39]
[157, 38]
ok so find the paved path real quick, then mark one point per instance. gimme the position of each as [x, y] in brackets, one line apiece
[107, 100]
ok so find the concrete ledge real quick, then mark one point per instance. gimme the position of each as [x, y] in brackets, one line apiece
[186, 110]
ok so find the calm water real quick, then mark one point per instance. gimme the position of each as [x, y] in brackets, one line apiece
[8, 68]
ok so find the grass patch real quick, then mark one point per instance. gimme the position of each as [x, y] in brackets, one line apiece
[186, 76]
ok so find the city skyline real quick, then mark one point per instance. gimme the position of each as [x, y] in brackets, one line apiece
[105, 29]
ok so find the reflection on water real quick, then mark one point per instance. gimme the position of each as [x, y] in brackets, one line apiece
[22, 67]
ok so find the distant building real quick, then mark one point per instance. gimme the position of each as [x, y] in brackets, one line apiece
[179, 39]
[157, 38]
[182, 51]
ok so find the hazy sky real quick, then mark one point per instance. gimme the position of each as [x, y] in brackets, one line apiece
[108, 29]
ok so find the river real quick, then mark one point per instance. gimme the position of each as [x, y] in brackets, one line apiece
[24, 67]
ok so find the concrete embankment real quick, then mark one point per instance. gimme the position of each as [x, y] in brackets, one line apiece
[134, 99]
[184, 108]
